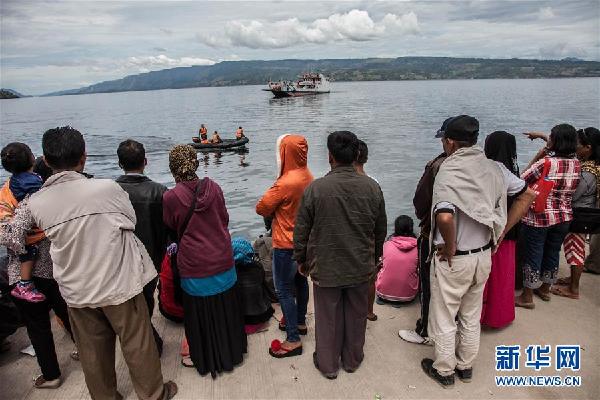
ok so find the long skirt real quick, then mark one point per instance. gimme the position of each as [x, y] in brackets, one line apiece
[499, 294]
[214, 326]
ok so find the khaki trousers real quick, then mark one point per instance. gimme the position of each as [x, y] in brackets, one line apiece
[457, 291]
[340, 326]
[95, 331]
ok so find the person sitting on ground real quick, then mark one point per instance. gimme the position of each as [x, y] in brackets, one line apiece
[146, 198]
[586, 195]
[398, 280]
[359, 164]
[18, 159]
[251, 282]
[216, 138]
[239, 133]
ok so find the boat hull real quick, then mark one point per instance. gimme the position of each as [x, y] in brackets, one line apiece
[281, 94]
[226, 144]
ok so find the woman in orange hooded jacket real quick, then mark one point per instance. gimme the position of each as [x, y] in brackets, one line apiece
[281, 202]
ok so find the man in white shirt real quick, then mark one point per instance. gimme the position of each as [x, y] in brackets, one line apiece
[469, 219]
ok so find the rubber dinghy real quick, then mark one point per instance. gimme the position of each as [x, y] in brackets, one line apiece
[226, 144]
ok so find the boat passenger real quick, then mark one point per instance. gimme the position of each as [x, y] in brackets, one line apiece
[204, 138]
[239, 133]
[216, 138]
[202, 130]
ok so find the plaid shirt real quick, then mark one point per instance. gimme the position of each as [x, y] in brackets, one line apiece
[565, 172]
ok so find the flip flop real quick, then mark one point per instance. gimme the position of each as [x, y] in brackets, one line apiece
[301, 331]
[187, 362]
[564, 291]
[372, 317]
[542, 295]
[529, 306]
[276, 348]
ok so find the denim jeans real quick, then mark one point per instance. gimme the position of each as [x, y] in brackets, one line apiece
[542, 253]
[286, 277]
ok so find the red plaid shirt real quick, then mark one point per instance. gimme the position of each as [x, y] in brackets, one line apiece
[565, 172]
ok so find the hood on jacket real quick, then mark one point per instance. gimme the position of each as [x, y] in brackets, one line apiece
[292, 153]
[207, 194]
[404, 243]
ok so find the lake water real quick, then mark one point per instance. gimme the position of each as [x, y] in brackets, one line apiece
[397, 119]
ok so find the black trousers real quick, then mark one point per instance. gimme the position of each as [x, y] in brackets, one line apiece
[148, 293]
[424, 284]
[36, 317]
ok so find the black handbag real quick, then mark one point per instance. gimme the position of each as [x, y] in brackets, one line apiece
[585, 220]
[174, 269]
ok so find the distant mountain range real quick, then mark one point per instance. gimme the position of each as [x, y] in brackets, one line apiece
[233, 73]
[10, 94]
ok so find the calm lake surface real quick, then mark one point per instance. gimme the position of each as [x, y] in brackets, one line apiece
[397, 119]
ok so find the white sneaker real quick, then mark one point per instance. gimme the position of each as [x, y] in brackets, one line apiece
[413, 337]
[28, 350]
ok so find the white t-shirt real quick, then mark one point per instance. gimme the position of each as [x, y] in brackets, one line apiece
[471, 234]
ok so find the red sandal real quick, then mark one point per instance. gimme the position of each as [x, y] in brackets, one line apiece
[276, 348]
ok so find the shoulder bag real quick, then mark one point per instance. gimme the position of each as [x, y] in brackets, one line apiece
[542, 187]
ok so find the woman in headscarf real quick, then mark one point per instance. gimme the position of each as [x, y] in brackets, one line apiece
[213, 318]
[498, 296]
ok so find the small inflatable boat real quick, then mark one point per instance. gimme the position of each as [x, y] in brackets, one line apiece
[226, 144]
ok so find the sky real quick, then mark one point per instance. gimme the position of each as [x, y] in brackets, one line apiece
[50, 46]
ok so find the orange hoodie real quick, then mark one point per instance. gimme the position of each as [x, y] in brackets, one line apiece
[283, 199]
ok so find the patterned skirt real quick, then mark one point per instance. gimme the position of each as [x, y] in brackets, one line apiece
[574, 247]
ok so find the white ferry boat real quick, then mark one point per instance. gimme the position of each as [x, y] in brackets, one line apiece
[307, 84]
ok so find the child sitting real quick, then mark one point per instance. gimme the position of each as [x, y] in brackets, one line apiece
[18, 159]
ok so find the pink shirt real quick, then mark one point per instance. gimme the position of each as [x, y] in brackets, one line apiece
[398, 279]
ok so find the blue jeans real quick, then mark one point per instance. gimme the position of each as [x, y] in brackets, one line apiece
[542, 253]
[285, 278]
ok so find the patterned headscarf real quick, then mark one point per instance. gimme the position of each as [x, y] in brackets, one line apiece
[242, 250]
[183, 163]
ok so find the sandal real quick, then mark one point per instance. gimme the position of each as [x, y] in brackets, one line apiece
[542, 295]
[519, 303]
[301, 331]
[564, 291]
[566, 281]
[169, 390]
[276, 348]
[74, 355]
[372, 317]
[187, 362]
[41, 383]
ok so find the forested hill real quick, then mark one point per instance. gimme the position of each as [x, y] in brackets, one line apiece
[232, 73]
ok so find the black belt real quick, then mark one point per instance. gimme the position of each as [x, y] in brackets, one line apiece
[465, 252]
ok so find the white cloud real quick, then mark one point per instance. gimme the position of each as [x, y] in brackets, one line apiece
[561, 50]
[148, 63]
[355, 25]
[546, 13]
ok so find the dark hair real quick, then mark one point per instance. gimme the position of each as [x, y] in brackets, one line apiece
[16, 157]
[343, 146]
[63, 147]
[131, 155]
[363, 152]
[42, 169]
[404, 226]
[591, 137]
[564, 140]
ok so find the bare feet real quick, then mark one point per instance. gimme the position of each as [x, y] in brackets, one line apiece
[565, 291]
[525, 301]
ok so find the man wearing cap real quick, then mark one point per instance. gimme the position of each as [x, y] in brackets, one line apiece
[468, 219]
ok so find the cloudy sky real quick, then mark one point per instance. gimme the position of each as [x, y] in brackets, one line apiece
[48, 46]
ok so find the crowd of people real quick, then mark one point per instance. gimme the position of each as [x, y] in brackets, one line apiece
[97, 258]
